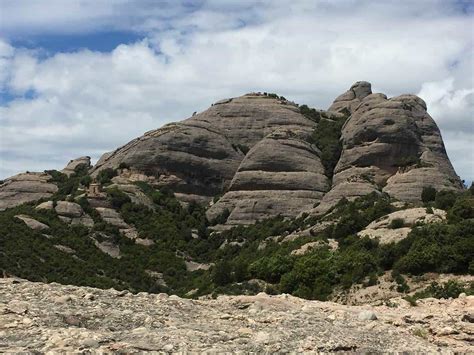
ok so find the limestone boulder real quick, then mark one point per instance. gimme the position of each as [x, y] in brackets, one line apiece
[25, 187]
[68, 209]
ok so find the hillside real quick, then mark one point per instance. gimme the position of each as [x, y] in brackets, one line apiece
[255, 194]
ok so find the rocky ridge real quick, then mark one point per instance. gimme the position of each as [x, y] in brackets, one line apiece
[56, 318]
[253, 157]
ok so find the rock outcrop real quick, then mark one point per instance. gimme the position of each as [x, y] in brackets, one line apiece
[71, 212]
[55, 318]
[384, 230]
[73, 164]
[389, 145]
[257, 157]
[199, 157]
[281, 175]
[32, 223]
[25, 187]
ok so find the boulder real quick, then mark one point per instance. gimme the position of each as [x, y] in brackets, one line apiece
[68, 209]
[48, 205]
[112, 217]
[25, 187]
[32, 223]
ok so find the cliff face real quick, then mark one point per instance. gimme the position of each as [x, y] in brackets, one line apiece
[257, 156]
[390, 145]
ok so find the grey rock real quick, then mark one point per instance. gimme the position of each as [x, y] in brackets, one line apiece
[112, 217]
[68, 322]
[73, 164]
[25, 187]
[69, 209]
[352, 97]
[204, 152]
[271, 181]
[393, 146]
[32, 223]
[367, 315]
[48, 205]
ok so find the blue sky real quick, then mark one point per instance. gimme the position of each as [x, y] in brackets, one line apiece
[83, 77]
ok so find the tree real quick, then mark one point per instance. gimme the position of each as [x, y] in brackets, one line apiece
[221, 275]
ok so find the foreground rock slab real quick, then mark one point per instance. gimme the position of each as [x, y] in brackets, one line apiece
[56, 318]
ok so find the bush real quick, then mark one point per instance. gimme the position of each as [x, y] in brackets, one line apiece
[397, 223]
[123, 165]
[117, 198]
[326, 137]
[445, 199]
[104, 176]
[428, 194]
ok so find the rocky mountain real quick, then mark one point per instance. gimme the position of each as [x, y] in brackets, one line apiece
[259, 156]
[55, 318]
[356, 204]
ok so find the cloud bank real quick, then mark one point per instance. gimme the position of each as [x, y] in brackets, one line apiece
[59, 105]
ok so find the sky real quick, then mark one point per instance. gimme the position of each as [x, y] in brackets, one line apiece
[82, 77]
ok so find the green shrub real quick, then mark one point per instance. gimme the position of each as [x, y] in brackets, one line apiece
[445, 199]
[428, 194]
[104, 176]
[117, 198]
[397, 223]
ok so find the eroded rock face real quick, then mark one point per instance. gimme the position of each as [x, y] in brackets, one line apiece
[282, 174]
[352, 97]
[74, 319]
[25, 187]
[198, 157]
[254, 153]
[393, 146]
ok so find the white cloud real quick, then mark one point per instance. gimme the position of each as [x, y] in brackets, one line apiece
[86, 102]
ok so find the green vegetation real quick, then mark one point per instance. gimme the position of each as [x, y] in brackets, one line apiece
[428, 194]
[104, 176]
[239, 255]
[326, 137]
[69, 185]
[397, 223]
[311, 113]
[449, 289]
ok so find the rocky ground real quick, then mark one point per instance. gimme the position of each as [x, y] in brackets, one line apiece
[51, 318]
